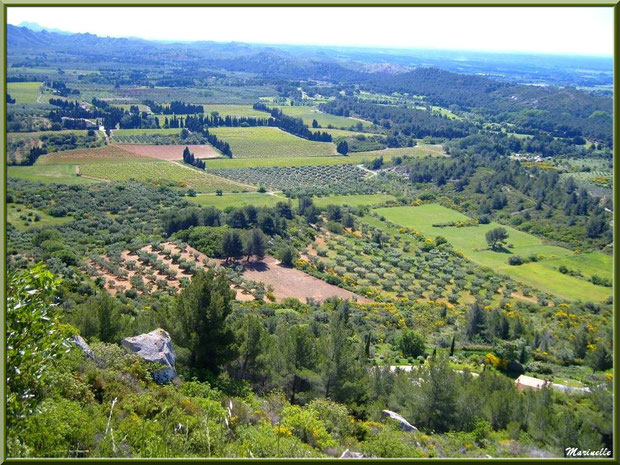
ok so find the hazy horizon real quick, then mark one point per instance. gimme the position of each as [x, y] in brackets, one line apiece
[583, 31]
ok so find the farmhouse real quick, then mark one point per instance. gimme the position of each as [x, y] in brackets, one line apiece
[528, 382]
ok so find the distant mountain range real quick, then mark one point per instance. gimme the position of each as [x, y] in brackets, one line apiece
[37, 28]
[578, 71]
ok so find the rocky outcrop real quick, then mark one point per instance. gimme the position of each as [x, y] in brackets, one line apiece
[155, 347]
[404, 424]
[81, 343]
[347, 454]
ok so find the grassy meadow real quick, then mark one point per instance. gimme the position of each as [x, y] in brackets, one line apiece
[61, 174]
[237, 200]
[472, 242]
[23, 92]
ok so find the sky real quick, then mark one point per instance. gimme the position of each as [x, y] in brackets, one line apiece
[555, 30]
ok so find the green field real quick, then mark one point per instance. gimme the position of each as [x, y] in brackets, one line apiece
[23, 92]
[160, 172]
[62, 174]
[11, 136]
[127, 106]
[336, 133]
[307, 114]
[139, 132]
[471, 241]
[17, 218]
[269, 142]
[268, 200]
[235, 110]
[238, 200]
[589, 264]
[420, 150]
[353, 200]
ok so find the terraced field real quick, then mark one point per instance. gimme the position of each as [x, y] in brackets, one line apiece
[471, 241]
[269, 142]
[165, 266]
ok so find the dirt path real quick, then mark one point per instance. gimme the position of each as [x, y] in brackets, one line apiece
[363, 168]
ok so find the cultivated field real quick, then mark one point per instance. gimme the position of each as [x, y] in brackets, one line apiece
[345, 176]
[61, 174]
[161, 173]
[164, 267]
[307, 114]
[170, 152]
[86, 156]
[23, 92]
[238, 200]
[113, 163]
[143, 132]
[471, 241]
[267, 142]
[421, 150]
[235, 110]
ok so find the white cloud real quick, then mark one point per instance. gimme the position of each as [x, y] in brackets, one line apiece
[565, 30]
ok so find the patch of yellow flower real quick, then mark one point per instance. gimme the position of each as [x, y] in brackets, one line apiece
[282, 431]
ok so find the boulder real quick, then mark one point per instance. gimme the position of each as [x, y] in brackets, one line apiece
[81, 343]
[404, 424]
[347, 454]
[155, 347]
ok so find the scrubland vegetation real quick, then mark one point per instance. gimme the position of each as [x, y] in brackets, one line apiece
[454, 234]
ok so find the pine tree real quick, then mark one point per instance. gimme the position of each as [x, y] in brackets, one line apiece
[232, 245]
[201, 312]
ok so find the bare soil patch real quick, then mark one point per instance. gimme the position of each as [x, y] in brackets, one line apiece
[285, 282]
[290, 282]
[170, 152]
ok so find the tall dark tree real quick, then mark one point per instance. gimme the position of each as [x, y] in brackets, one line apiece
[232, 245]
[255, 244]
[476, 322]
[342, 147]
[201, 312]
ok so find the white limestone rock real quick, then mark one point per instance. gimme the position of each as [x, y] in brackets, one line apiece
[404, 424]
[155, 347]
